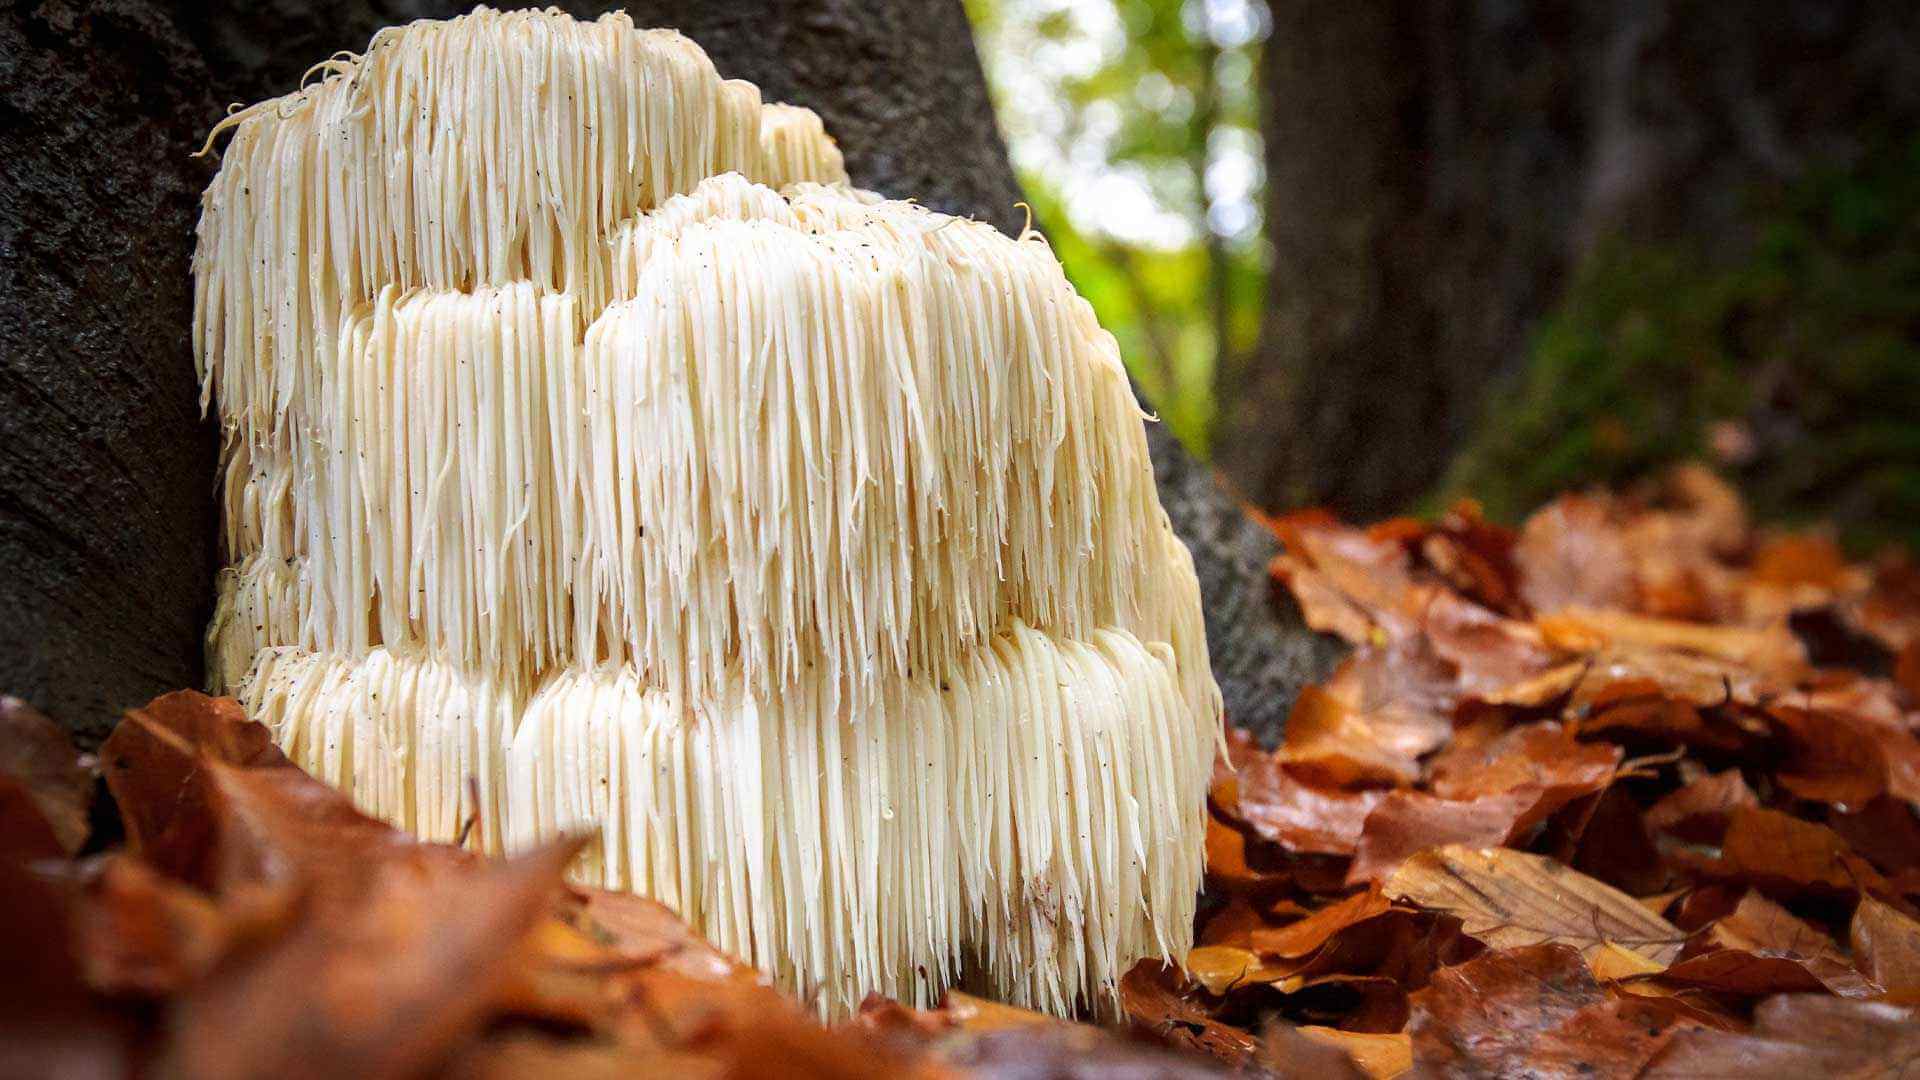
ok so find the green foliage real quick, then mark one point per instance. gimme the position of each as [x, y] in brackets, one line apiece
[1147, 91]
[1795, 365]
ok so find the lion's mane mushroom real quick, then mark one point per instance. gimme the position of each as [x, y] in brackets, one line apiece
[802, 542]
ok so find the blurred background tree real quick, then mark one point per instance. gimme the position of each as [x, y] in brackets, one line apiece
[1375, 254]
[1134, 125]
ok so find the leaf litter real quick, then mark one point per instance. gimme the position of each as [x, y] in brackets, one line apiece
[1629, 790]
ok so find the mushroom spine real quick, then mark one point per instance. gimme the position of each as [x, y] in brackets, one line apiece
[586, 434]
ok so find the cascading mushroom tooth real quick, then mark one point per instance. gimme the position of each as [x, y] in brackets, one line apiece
[598, 459]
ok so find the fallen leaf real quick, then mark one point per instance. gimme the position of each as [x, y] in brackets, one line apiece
[1332, 744]
[387, 987]
[1783, 853]
[1790, 560]
[1510, 899]
[1156, 999]
[1300, 938]
[1747, 973]
[1654, 718]
[1835, 759]
[1616, 847]
[1381, 1057]
[1885, 831]
[1772, 650]
[1533, 1011]
[1350, 583]
[1906, 670]
[36, 753]
[1227, 868]
[51, 1025]
[1800, 1035]
[1571, 553]
[1492, 652]
[153, 763]
[141, 933]
[1699, 811]
[1222, 968]
[1406, 823]
[1298, 816]
[1288, 1053]
[972, 1013]
[1612, 962]
[1543, 758]
[1886, 948]
[1760, 948]
[1065, 1051]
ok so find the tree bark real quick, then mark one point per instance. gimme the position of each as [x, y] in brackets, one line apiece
[1436, 168]
[106, 471]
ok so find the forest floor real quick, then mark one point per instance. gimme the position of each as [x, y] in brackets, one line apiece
[1627, 791]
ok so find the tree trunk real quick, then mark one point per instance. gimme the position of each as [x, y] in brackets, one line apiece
[1435, 169]
[106, 476]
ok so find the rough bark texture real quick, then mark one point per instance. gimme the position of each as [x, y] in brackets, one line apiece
[1435, 168]
[106, 471]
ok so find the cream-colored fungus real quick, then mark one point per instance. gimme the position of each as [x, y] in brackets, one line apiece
[586, 435]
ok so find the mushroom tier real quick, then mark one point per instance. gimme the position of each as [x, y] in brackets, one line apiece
[802, 542]
[1026, 824]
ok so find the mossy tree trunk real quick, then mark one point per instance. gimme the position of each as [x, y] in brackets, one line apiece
[1437, 168]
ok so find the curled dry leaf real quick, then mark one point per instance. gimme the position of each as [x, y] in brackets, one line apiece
[384, 989]
[1761, 948]
[1836, 758]
[1160, 1004]
[1510, 899]
[1224, 968]
[1298, 939]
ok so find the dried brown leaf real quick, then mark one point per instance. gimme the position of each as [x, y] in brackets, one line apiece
[1781, 852]
[1542, 757]
[1800, 1035]
[1761, 948]
[1536, 1012]
[1297, 815]
[1511, 899]
[1771, 651]
[1700, 810]
[1571, 552]
[1409, 822]
[386, 987]
[1379, 1056]
[1886, 948]
[1332, 744]
[36, 753]
[1161, 1006]
[1298, 939]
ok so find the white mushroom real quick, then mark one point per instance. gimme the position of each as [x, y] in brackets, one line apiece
[801, 542]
